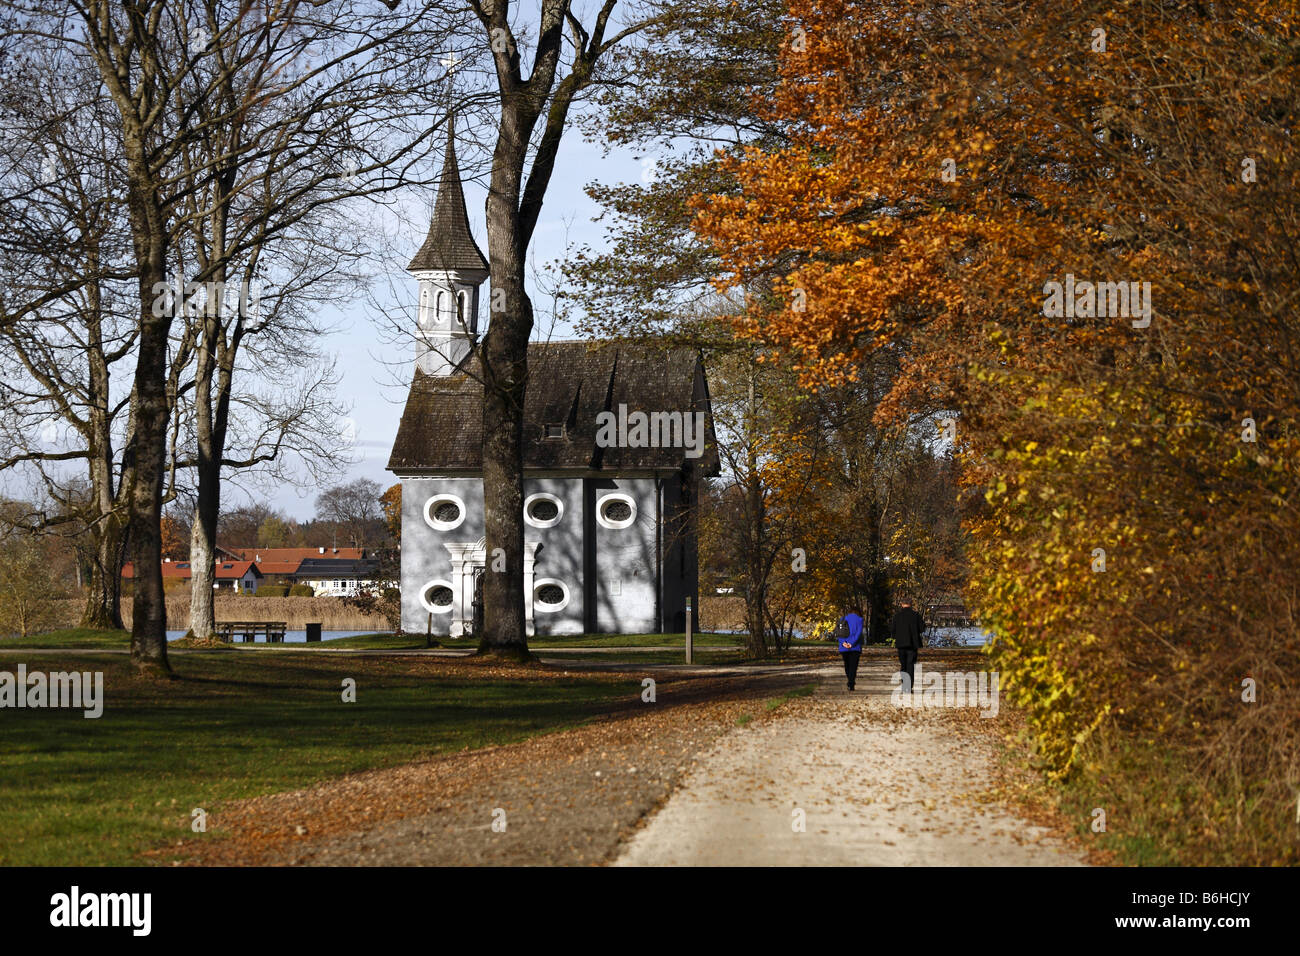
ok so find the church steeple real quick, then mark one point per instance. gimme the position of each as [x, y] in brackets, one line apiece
[450, 268]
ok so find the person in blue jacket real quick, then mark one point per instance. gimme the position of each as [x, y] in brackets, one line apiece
[848, 641]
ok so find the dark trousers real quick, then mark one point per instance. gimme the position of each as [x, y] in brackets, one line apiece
[851, 666]
[907, 664]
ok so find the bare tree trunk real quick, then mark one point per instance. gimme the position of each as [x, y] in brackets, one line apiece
[756, 644]
[103, 608]
[147, 454]
[505, 376]
[513, 208]
[756, 572]
[203, 621]
[108, 526]
[878, 591]
[506, 366]
[209, 439]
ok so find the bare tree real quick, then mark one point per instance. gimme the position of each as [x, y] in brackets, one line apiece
[538, 104]
[353, 508]
[202, 93]
[68, 339]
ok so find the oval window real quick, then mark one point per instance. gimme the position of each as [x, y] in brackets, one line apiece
[616, 511]
[438, 597]
[444, 512]
[550, 595]
[543, 510]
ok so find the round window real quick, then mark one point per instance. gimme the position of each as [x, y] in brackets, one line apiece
[444, 512]
[543, 510]
[616, 511]
[437, 597]
[550, 595]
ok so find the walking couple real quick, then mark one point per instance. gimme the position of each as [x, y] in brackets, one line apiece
[906, 628]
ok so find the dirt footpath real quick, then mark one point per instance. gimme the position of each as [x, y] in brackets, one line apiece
[564, 798]
[722, 770]
[845, 779]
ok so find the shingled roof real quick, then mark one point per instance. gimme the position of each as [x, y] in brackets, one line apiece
[449, 246]
[569, 384]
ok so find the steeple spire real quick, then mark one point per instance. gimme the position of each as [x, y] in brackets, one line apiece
[449, 244]
[450, 268]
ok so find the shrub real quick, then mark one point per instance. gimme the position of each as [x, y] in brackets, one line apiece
[273, 590]
[302, 590]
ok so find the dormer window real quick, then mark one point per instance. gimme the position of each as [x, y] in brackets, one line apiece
[553, 431]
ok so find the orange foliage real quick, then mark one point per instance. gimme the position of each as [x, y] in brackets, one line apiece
[946, 163]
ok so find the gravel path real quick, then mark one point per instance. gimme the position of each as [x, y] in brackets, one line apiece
[873, 784]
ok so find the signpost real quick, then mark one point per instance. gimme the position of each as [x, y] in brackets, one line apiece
[688, 632]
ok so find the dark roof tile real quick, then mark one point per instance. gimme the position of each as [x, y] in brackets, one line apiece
[569, 384]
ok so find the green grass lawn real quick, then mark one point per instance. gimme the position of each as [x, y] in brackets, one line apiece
[76, 638]
[83, 792]
[375, 642]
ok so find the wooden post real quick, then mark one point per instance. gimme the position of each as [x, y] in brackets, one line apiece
[689, 648]
[428, 631]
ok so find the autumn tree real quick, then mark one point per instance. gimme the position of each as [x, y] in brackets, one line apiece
[700, 71]
[175, 538]
[30, 569]
[390, 505]
[1078, 239]
[772, 474]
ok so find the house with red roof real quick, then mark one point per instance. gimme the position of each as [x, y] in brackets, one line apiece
[242, 576]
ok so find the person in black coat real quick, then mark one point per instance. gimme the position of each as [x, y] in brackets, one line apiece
[907, 628]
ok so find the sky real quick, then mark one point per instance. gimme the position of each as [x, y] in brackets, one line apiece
[367, 361]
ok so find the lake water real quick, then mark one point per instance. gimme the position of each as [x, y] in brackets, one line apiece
[292, 637]
[965, 636]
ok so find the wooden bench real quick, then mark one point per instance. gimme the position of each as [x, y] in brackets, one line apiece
[249, 631]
